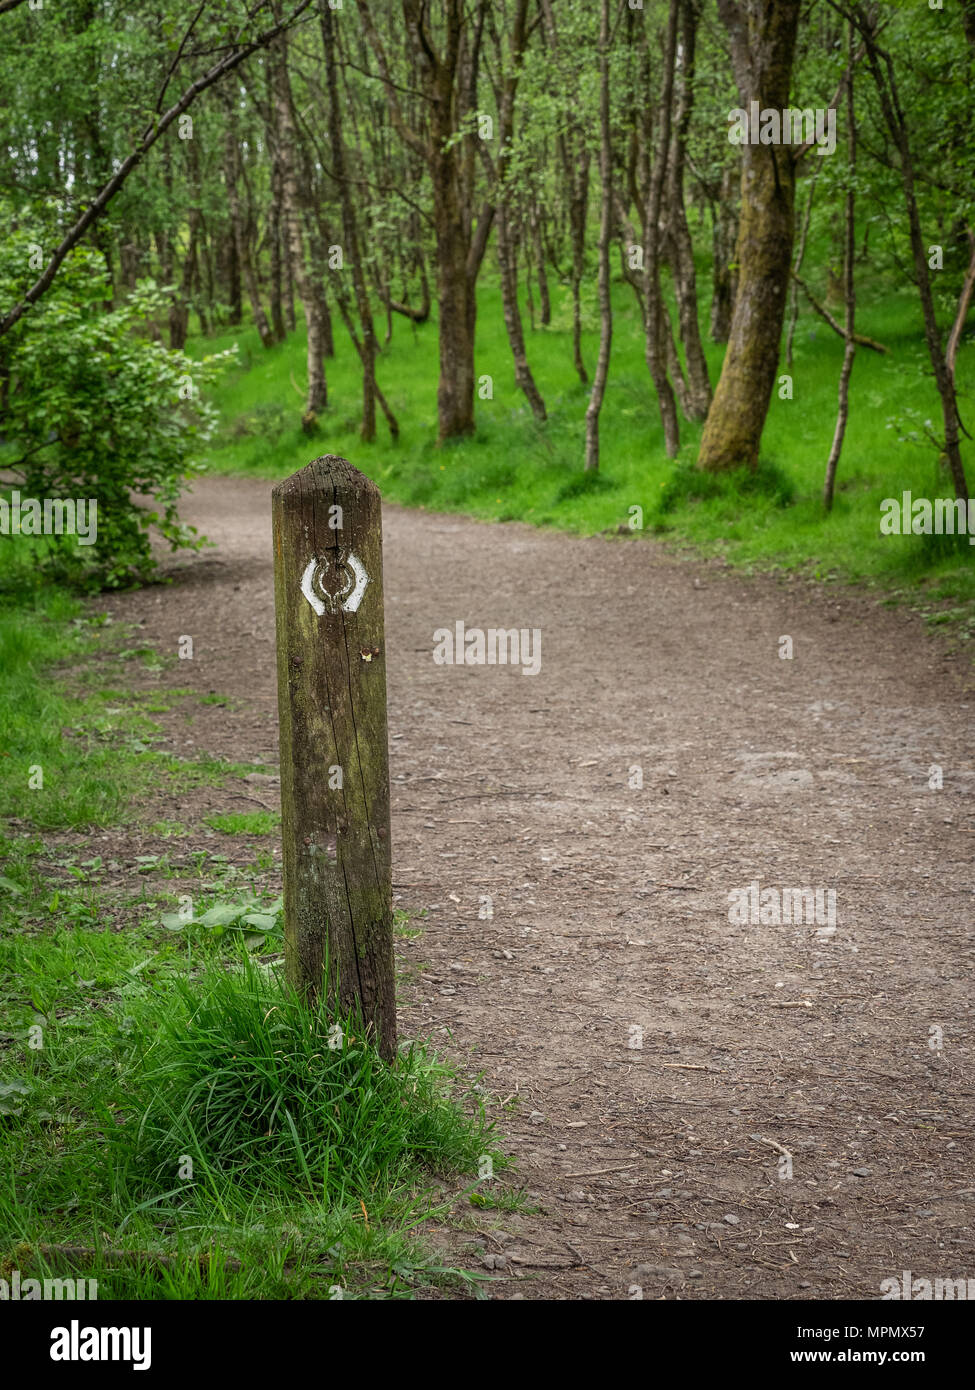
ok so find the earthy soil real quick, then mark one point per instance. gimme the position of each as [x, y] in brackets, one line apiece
[663, 1167]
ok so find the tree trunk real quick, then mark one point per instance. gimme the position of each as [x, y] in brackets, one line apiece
[800, 253]
[849, 290]
[130, 257]
[529, 290]
[656, 324]
[164, 256]
[317, 396]
[544, 300]
[290, 322]
[724, 235]
[574, 157]
[507, 255]
[964, 303]
[882, 71]
[325, 313]
[179, 312]
[605, 233]
[231, 278]
[449, 80]
[276, 291]
[241, 238]
[179, 318]
[763, 38]
[507, 245]
[202, 297]
[350, 230]
[578, 175]
[458, 311]
[698, 391]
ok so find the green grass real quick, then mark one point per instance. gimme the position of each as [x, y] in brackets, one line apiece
[76, 747]
[515, 469]
[221, 1114]
[163, 1093]
[245, 822]
[141, 1029]
[59, 755]
[167, 828]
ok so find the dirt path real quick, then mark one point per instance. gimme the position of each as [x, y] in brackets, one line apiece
[659, 1166]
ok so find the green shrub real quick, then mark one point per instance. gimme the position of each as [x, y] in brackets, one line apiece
[92, 408]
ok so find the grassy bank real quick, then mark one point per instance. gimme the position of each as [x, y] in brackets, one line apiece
[516, 469]
[170, 1110]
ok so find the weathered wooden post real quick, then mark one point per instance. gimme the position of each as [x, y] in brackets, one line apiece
[328, 596]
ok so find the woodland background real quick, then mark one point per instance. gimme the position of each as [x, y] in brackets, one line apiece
[502, 256]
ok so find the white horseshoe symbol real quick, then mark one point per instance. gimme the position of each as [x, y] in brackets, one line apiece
[351, 596]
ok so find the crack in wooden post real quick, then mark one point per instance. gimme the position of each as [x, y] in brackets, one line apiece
[331, 662]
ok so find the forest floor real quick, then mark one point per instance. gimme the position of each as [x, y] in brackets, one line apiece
[846, 1053]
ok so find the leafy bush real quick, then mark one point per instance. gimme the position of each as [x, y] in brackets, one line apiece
[91, 407]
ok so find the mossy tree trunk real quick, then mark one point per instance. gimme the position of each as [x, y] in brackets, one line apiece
[763, 39]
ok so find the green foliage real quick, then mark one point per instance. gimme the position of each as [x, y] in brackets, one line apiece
[253, 922]
[312, 1162]
[93, 409]
[688, 484]
[235, 1071]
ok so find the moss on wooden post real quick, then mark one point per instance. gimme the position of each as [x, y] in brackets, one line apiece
[331, 658]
